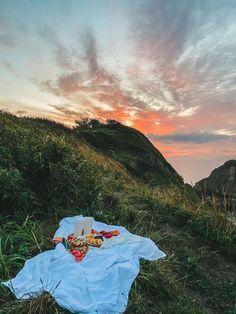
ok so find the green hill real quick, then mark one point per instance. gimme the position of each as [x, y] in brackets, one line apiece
[48, 171]
[129, 147]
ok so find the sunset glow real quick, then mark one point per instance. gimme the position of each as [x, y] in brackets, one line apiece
[166, 68]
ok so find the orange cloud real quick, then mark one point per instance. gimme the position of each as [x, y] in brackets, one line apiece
[149, 121]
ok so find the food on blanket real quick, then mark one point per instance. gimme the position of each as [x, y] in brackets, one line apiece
[78, 258]
[92, 241]
[95, 232]
[110, 234]
[98, 237]
[79, 246]
[105, 234]
[71, 237]
[78, 251]
[73, 252]
[90, 236]
[96, 242]
[78, 242]
[115, 232]
[57, 240]
[78, 255]
[76, 247]
[84, 250]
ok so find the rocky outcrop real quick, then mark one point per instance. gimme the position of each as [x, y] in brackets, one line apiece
[220, 187]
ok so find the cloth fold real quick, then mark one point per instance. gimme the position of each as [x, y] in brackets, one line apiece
[99, 284]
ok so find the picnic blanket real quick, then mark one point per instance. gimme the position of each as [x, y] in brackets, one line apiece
[99, 284]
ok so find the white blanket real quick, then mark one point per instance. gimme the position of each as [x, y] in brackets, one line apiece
[98, 284]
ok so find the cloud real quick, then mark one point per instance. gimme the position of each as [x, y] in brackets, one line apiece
[189, 49]
[228, 132]
[164, 25]
[170, 74]
[7, 40]
[65, 84]
[196, 138]
[65, 57]
[6, 64]
[92, 88]
[90, 47]
[188, 112]
[68, 112]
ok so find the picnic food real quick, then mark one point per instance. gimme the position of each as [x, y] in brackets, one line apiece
[80, 246]
[76, 247]
[91, 240]
[110, 234]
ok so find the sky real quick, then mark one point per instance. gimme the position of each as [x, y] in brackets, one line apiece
[165, 67]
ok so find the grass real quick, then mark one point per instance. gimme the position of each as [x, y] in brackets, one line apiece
[130, 148]
[47, 173]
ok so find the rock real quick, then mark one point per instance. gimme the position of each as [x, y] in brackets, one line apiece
[220, 187]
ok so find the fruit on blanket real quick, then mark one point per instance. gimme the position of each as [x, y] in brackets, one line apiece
[105, 234]
[84, 249]
[79, 246]
[76, 246]
[79, 243]
[110, 234]
[95, 232]
[115, 232]
[77, 259]
[78, 256]
[90, 236]
[73, 252]
[71, 237]
[94, 242]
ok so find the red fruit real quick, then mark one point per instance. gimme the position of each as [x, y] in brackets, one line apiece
[74, 252]
[78, 254]
[79, 258]
[94, 231]
[115, 232]
[108, 235]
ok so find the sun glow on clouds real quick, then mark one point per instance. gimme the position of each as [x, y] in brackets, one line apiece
[227, 132]
[163, 67]
[188, 112]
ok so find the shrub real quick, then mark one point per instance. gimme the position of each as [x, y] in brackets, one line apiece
[15, 194]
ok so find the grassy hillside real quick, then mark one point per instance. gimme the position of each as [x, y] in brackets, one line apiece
[48, 171]
[129, 147]
[219, 189]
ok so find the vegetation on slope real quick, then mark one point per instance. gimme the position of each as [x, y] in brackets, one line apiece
[219, 189]
[48, 172]
[129, 147]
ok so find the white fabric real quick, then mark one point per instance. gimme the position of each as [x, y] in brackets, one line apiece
[99, 284]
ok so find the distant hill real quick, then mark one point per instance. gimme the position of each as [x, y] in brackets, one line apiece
[131, 148]
[220, 187]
